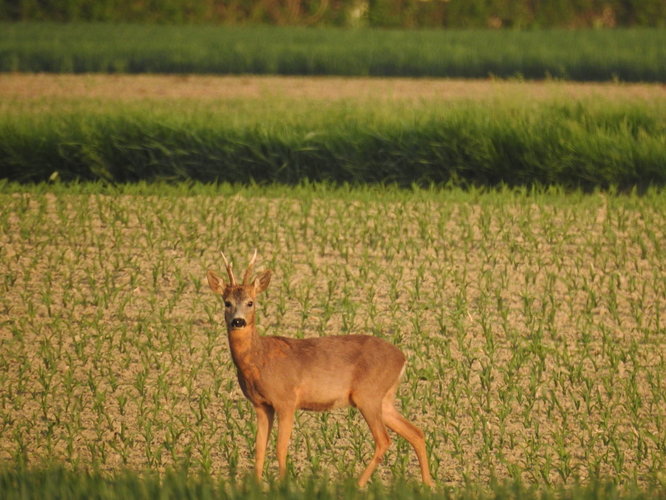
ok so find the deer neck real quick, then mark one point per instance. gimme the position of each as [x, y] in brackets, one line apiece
[245, 346]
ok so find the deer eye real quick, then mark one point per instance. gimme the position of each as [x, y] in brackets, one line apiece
[227, 303]
[250, 304]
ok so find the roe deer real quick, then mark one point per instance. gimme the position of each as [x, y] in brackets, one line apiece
[280, 375]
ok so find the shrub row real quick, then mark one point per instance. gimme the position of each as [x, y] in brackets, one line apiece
[384, 13]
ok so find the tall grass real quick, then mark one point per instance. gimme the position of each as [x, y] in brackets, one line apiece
[583, 144]
[619, 54]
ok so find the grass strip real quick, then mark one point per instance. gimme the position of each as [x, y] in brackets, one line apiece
[587, 144]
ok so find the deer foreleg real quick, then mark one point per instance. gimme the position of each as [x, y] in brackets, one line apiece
[265, 416]
[285, 424]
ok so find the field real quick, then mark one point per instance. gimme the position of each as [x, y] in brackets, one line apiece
[290, 130]
[637, 54]
[531, 310]
[533, 323]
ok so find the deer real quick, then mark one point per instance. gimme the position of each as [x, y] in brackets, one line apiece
[280, 375]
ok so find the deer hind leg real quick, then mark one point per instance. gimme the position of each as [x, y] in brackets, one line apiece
[265, 416]
[373, 416]
[400, 425]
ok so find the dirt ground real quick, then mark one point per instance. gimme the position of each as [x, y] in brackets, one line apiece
[30, 86]
[533, 329]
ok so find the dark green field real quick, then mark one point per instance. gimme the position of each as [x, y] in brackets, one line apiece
[637, 54]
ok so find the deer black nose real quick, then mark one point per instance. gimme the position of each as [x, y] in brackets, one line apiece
[238, 322]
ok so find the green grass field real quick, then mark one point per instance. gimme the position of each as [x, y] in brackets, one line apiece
[578, 142]
[603, 55]
[532, 321]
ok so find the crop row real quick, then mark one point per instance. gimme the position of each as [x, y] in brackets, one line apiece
[584, 143]
[533, 325]
[601, 55]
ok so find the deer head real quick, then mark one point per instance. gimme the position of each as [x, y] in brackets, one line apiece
[239, 300]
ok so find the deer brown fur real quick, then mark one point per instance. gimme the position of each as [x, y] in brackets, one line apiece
[280, 375]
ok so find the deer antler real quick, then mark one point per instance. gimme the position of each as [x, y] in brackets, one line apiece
[250, 269]
[229, 271]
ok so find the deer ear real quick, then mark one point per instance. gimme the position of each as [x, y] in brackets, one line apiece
[261, 282]
[215, 282]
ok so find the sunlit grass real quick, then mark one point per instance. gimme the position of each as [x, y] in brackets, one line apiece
[583, 143]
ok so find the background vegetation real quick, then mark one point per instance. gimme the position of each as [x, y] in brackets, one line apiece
[621, 54]
[380, 13]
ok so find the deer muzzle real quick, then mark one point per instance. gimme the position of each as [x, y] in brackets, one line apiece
[238, 323]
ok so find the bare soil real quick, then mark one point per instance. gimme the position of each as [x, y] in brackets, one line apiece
[132, 87]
